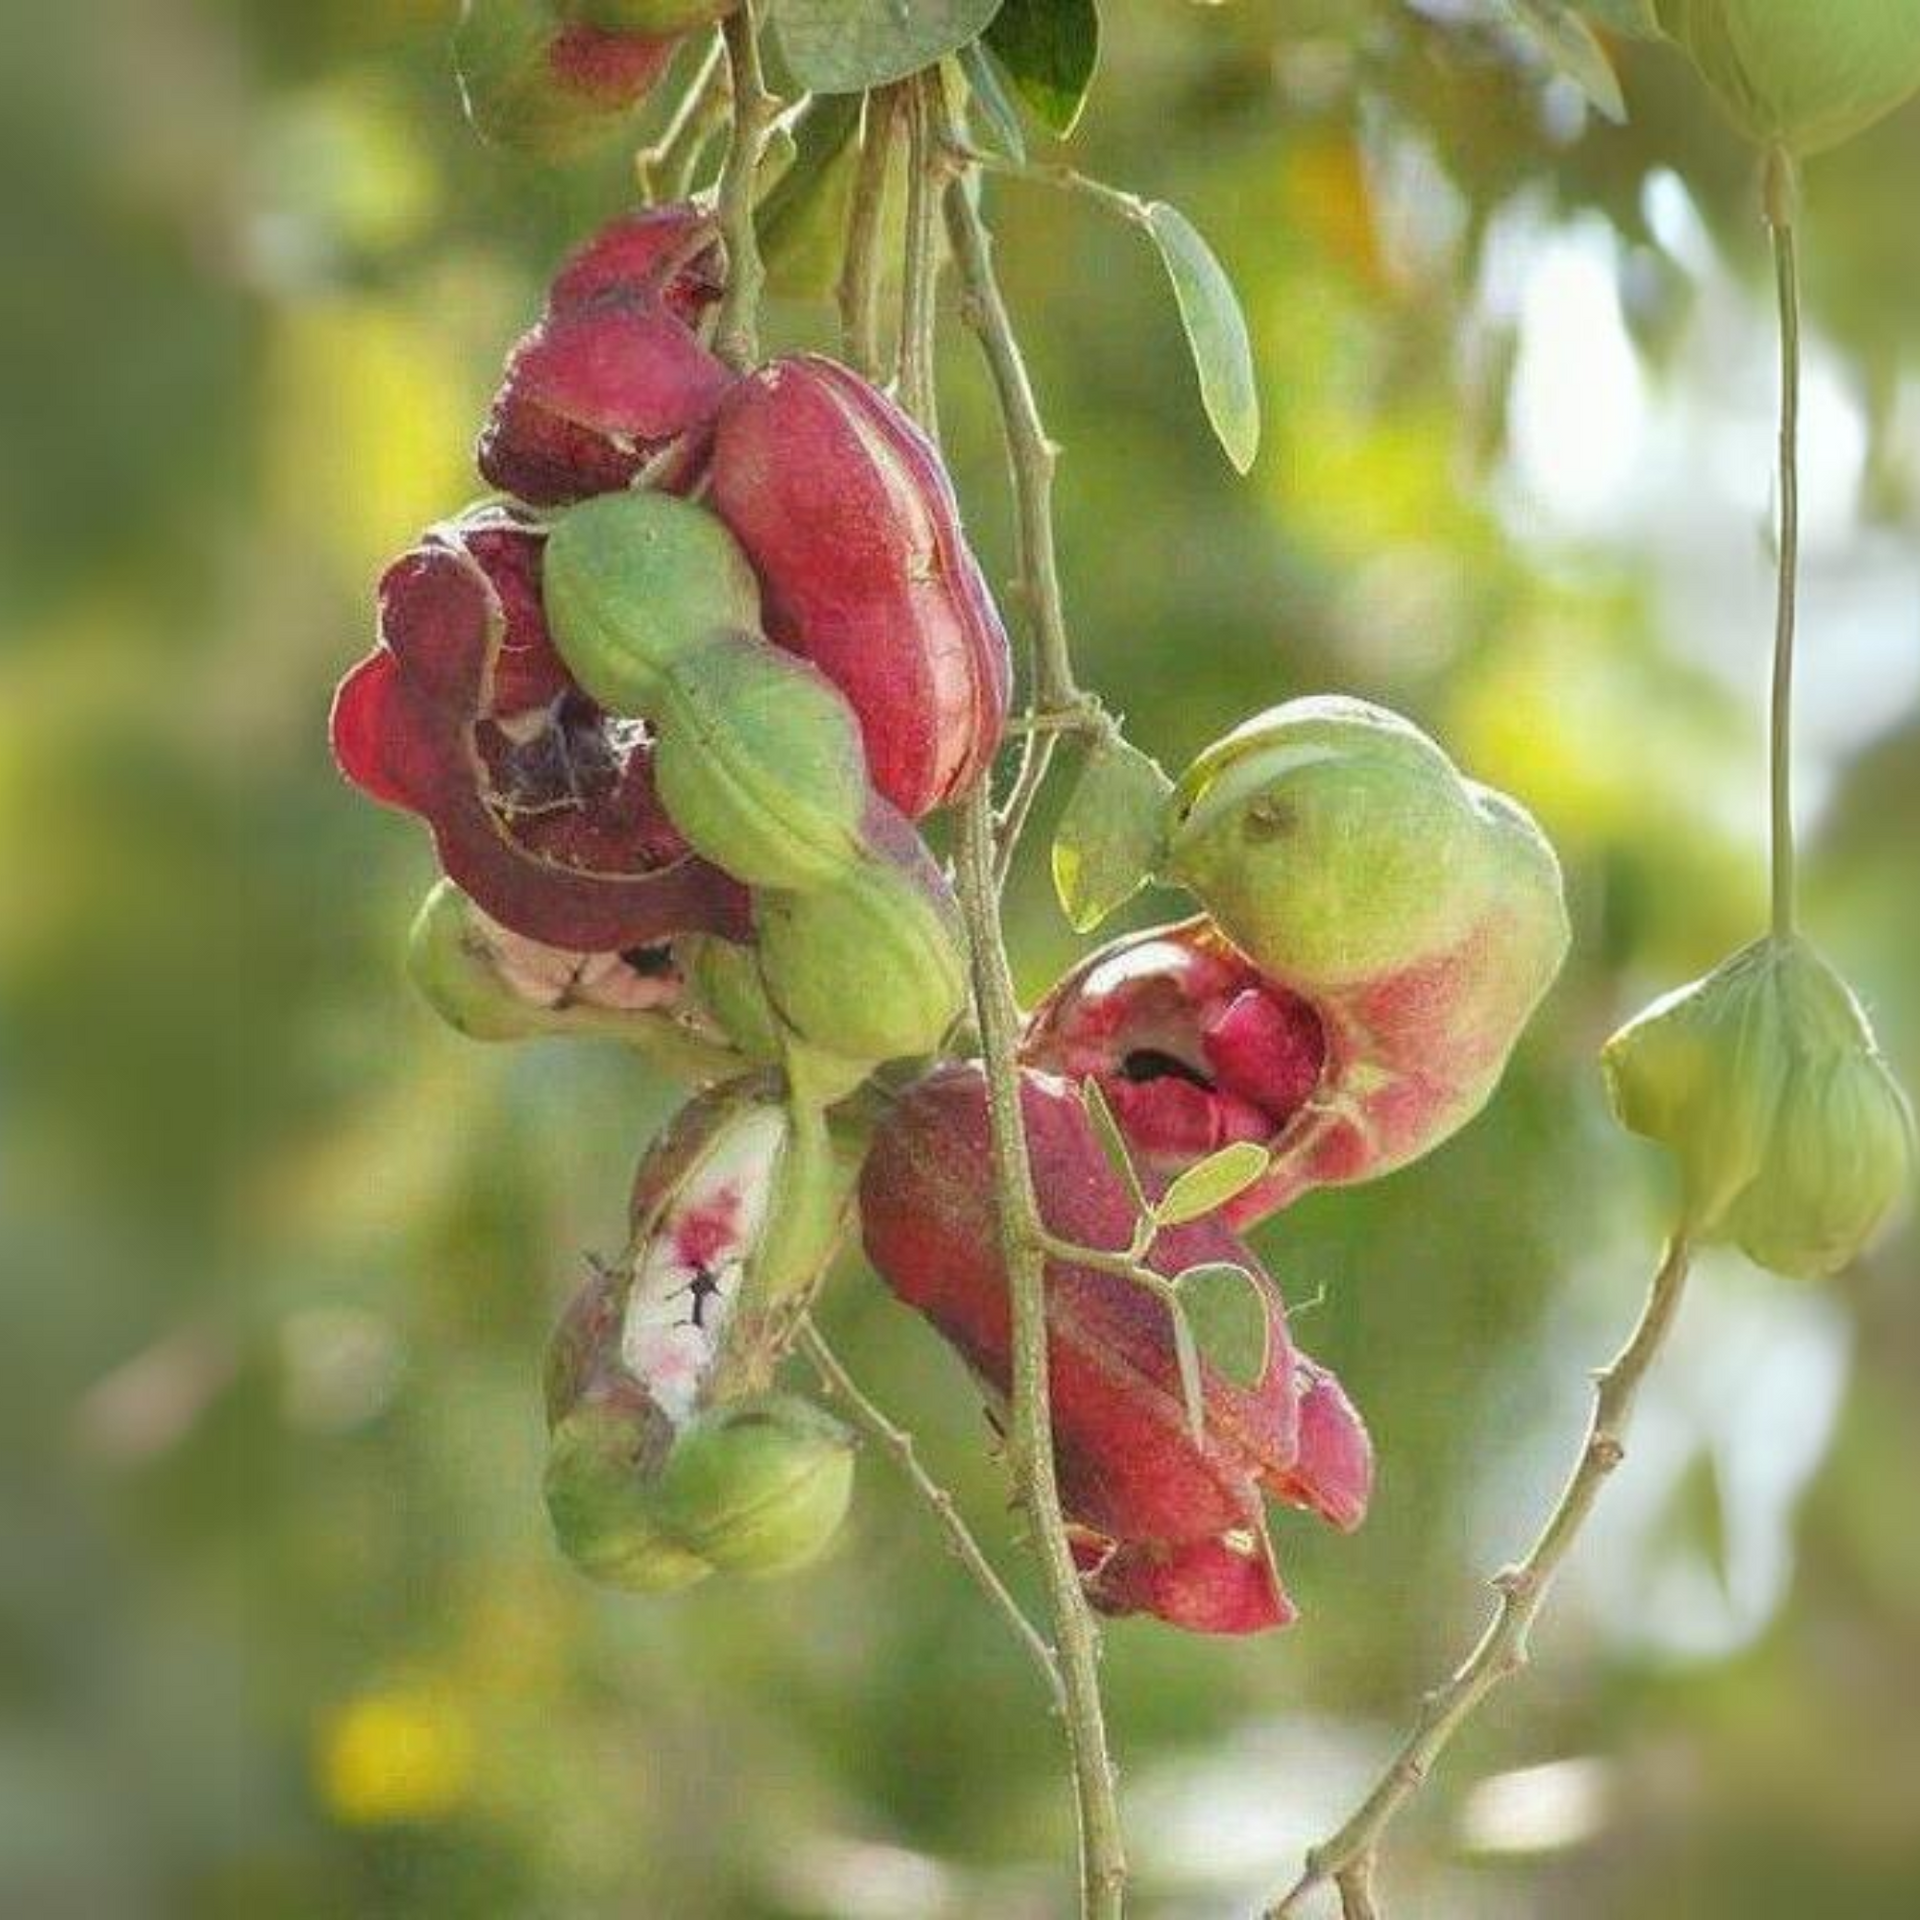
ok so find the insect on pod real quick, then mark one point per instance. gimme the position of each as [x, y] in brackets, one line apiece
[671, 1457]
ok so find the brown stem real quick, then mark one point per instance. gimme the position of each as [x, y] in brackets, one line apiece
[858, 292]
[736, 331]
[1349, 1857]
[918, 391]
[669, 162]
[1103, 1866]
[1031, 456]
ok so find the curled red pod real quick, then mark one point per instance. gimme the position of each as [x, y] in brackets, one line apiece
[846, 511]
[1133, 1476]
[1222, 1585]
[615, 374]
[541, 805]
[1193, 1048]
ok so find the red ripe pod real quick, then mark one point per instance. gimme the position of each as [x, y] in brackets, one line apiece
[1224, 1585]
[1178, 1512]
[615, 373]
[1193, 1048]
[847, 514]
[541, 805]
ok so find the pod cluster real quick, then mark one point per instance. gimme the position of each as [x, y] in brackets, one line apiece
[670, 712]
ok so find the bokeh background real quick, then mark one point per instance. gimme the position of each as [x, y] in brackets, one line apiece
[280, 1629]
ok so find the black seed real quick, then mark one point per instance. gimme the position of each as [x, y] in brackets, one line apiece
[1149, 1063]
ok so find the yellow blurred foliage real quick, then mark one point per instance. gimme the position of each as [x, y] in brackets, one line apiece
[402, 1753]
[369, 428]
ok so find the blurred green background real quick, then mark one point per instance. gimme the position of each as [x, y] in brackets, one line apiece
[280, 1629]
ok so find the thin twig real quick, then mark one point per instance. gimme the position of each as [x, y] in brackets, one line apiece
[1103, 1867]
[1127, 1265]
[918, 390]
[858, 292]
[1781, 193]
[736, 331]
[896, 1441]
[1063, 179]
[1089, 718]
[1348, 1859]
[1036, 762]
[674, 154]
[1030, 454]
[1042, 733]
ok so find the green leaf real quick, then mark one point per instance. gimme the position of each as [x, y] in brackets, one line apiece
[1231, 1325]
[847, 46]
[802, 216]
[1193, 1386]
[1050, 48]
[983, 83]
[1109, 838]
[1210, 1183]
[1216, 332]
[1113, 1143]
[1572, 49]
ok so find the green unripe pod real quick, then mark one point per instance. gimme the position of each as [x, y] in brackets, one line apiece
[759, 763]
[757, 1486]
[603, 1461]
[655, 610]
[489, 983]
[1841, 1158]
[654, 19]
[634, 584]
[1765, 1082]
[1526, 904]
[1802, 74]
[726, 979]
[872, 967]
[557, 93]
[457, 973]
[1334, 842]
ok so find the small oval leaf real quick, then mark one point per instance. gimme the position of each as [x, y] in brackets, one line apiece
[1210, 1183]
[1230, 1321]
[1216, 332]
[1109, 839]
[847, 46]
[801, 218]
[1050, 49]
[1113, 1143]
[983, 84]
